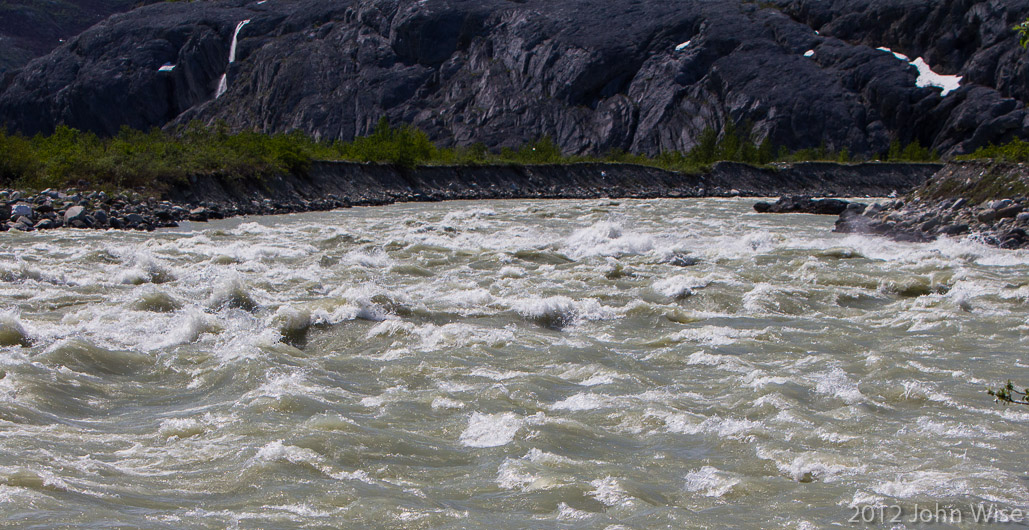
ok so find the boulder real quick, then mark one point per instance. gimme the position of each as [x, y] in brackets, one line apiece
[954, 229]
[21, 209]
[73, 214]
[200, 214]
[20, 225]
[1010, 211]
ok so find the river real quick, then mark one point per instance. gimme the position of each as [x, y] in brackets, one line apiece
[507, 364]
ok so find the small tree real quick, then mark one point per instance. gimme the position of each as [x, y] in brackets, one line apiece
[1009, 394]
[1023, 33]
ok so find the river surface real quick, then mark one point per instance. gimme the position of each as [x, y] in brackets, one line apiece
[507, 365]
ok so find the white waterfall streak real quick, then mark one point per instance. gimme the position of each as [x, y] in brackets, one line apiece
[223, 83]
[235, 40]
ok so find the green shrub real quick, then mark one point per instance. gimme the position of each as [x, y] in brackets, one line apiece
[17, 159]
[156, 159]
[404, 146]
[1014, 151]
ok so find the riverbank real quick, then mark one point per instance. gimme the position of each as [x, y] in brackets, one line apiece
[984, 198]
[331, 185]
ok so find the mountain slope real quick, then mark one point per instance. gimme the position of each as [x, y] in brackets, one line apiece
[31, 28]
[638, 75]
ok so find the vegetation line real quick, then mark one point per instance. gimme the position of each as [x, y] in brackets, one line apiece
[152, 161]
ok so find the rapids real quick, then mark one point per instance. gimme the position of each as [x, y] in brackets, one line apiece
[506, 365]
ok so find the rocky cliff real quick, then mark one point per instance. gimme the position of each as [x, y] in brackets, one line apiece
[638, 75]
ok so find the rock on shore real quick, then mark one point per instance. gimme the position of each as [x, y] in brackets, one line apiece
[131, 211]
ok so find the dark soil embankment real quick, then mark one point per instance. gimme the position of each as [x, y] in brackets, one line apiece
[329, 185]
[361, 184]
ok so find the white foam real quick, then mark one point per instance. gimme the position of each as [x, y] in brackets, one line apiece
[836, 383]
[12, 331]
[514, 475]
[710, 482]
[446, 403]
[468, 298]
[606, 239]
[181, 428]
[567, 513]
[714, 335]
[459, 334]
[390, 328]
[810, 466]
[529, 473]
[279, 384]
[679, 286]
[560, 311]
[192, 324]
[461, 218]
[146, 269]
[494, 430]
[497, 376]
[584, 401]
[610, 492]
[922, 391]
[511, 272]
[730, 428]
[764, 298]
[289, 320]
[933, 484]
[372, 260]
[231, 293]
[590, 375]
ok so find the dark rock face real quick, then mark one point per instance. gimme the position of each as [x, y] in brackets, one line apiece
[595, 76]
[29, 29]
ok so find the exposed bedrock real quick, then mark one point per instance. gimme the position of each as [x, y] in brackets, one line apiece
[643, 76]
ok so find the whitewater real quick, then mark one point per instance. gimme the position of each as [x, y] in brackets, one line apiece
[605, 364]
